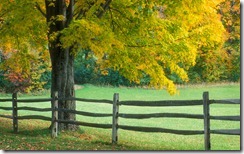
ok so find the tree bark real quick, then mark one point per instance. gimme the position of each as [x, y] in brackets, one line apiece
[62, 59]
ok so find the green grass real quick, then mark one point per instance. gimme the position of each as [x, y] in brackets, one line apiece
[34, 134]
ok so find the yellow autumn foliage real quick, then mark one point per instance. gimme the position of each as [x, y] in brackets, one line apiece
[155, 37]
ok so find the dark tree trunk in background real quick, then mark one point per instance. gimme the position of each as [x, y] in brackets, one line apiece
[62, 60]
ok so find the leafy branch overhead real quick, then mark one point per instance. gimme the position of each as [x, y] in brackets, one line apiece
[138, 37]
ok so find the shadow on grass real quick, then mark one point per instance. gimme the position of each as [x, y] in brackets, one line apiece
[36, 132]
[46, 132]
[115, 147]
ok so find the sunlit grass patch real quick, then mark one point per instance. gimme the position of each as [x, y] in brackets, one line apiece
[35, 135]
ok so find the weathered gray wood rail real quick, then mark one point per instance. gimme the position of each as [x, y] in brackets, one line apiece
[160, 115]
[161, 130]
[109, 126]
[115, 126]
[85, 113]
[162, 103]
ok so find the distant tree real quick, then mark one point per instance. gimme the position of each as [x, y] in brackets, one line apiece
[22, 69]
[215, 62]
[230, 17]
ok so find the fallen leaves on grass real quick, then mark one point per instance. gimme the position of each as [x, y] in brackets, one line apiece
[85, 137]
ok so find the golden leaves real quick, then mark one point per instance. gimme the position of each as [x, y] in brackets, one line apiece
[156, 37]
[51, 4]
[22, 67]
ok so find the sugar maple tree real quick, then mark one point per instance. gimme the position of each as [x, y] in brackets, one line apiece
[135, 37]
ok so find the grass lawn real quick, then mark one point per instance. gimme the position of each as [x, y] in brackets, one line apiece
[34, 135]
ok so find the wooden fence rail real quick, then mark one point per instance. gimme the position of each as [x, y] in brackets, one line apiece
[160, 115]
[162, 130]
[162, 103]
[205, 102]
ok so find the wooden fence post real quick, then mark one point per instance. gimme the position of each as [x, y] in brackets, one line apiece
[115, 118]
[15, 112]
[207, 143]
[54, 125]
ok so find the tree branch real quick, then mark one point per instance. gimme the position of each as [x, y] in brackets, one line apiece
[104, 6]
[70, 11]
[40, 10]
[142, 46]
[111, 15]
[121, 13]
[81, 12]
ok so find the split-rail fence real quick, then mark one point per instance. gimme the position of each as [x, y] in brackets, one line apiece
[205, 102]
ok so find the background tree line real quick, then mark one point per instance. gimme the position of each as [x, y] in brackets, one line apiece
[27, 70]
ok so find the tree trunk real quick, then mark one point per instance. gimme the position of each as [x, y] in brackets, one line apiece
[62, 59]
[63, 83]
